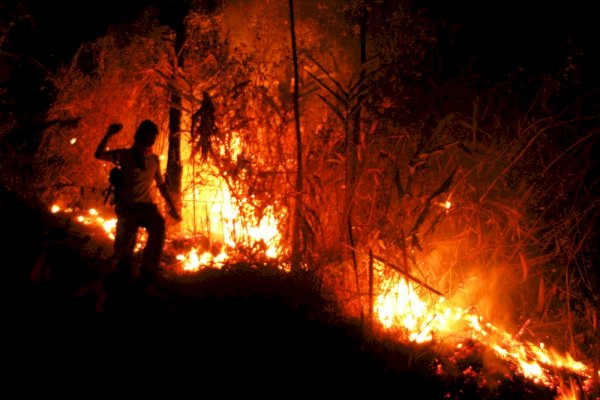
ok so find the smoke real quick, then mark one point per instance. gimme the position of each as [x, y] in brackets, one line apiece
[473, 281]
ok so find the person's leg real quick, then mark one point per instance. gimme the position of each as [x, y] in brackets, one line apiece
[125, 238]
[117, 283]
[154, 223]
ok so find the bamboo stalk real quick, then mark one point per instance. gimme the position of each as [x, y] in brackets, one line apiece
[370, 320]
[299, 187]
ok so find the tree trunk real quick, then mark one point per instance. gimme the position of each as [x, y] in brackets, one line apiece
[174, 167]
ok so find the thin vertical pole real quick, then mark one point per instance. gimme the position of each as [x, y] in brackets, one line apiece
[299, 188]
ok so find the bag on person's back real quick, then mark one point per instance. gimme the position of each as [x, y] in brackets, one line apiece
[115, 179]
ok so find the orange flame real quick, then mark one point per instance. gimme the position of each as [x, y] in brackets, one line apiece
[193, 261]
[224, 221]
[401, 309]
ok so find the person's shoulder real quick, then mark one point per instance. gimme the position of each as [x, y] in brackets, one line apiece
[113, 155]
[120, 155]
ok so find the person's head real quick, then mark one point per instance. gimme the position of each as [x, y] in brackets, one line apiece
[146, 134]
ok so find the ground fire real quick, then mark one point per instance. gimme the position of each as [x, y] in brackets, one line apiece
[408, 311]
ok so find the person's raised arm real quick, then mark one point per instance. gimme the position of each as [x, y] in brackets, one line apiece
[101, 153]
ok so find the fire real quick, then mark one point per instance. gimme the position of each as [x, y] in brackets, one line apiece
[211, 213]
[401, 307]
[568, 391]
[93, 218]
[403, 310]
[193, 261]
[224, 223]
[445, 204]
[110, 227]
[217, 222]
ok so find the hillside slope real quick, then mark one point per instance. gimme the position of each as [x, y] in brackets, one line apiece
[241, 329]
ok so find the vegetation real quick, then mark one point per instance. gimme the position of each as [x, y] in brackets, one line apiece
[484, 190]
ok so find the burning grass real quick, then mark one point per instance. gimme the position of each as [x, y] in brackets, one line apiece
[250, 310]
[469, 348]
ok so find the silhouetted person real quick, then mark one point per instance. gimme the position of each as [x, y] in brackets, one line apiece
[135, 206]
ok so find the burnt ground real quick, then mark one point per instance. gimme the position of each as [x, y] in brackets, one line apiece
[241, 330]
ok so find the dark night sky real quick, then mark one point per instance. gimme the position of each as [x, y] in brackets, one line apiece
[534, 35]
[57, 27]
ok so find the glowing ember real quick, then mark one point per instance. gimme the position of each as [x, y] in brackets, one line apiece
[73, 141]
[93, 218]
[445, 204]
[110, 227]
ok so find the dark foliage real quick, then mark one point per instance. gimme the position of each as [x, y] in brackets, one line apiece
[203, 126]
